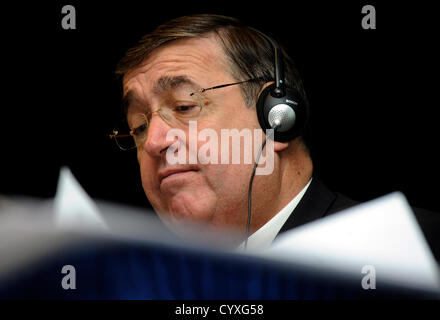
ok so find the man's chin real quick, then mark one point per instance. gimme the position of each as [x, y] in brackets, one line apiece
[181, 214]
[189, 205]
[183, 224]
[200, 231]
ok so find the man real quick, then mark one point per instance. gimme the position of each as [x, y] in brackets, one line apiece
[161, 77]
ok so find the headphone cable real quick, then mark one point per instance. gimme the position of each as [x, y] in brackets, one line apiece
[248, 224]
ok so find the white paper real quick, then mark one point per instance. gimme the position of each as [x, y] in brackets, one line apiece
[74, 209]
[382, 233]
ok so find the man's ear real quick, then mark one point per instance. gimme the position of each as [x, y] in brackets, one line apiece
[278, 146]
[264, 87]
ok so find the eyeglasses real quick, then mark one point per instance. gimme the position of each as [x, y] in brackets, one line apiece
[179, 108]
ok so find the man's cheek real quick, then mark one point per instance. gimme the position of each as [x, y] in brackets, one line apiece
[150, 186]
[148, 170]
[139, 156]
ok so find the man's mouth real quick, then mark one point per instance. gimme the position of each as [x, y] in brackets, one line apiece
[174, 172]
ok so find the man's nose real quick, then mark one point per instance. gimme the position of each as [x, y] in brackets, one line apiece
[156, 143]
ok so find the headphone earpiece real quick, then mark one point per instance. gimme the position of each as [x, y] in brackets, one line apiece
[279, 105]
[287, 111]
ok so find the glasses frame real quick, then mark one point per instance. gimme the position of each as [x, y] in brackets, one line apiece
[225, 85]
[115, 134]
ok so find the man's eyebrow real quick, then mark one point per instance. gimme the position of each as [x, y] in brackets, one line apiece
[165, 83]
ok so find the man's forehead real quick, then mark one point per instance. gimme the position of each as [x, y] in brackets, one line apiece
[203, 47]
[201, 54]
[174, 66]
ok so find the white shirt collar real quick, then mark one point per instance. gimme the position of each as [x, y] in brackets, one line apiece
[263, 237]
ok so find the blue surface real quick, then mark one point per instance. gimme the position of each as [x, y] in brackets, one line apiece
[124, 270]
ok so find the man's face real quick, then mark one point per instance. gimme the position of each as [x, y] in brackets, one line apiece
[211, 193]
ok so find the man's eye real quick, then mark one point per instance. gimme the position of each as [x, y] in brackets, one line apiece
[184, 109]
[139, 130]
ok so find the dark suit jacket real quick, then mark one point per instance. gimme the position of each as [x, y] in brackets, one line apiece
[319, 201]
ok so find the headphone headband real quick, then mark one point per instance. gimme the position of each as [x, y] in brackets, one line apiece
[279, 90]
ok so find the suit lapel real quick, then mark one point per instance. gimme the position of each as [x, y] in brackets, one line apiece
[314, 205]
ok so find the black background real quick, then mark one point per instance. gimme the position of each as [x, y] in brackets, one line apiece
[373, 93]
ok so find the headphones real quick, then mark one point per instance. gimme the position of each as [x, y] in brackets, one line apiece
[279, 105]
